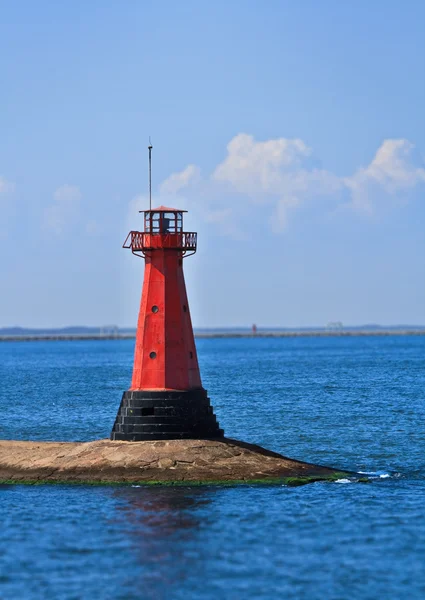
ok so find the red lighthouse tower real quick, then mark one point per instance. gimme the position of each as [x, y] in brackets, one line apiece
[166, 399]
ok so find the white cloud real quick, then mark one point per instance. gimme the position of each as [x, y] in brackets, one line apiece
[6, 187]
[393, 170]
[281, 175]
[64, 209]
[135, 205]
[276, 172]
[252, 167]
[178, 181]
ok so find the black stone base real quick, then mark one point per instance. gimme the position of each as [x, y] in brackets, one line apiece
[165, 415]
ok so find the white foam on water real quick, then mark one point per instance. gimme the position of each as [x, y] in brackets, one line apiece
[343, 481]
[375, 474]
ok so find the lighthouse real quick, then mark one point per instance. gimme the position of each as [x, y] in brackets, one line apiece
[166, 399]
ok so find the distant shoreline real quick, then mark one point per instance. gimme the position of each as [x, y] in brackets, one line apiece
[211, 335]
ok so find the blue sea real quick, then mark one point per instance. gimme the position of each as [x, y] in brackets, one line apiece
[355, 403]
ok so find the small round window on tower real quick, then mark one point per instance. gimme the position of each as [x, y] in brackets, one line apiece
[152, 355]
[155, 309]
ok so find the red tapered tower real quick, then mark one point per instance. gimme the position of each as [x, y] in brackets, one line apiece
[166, 399]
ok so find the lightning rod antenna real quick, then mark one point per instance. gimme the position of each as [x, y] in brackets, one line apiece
[150, 174]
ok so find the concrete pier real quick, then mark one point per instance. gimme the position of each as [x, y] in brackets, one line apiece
[211, 335]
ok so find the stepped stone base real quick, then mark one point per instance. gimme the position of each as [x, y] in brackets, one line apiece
[165, 415]
[173, 461]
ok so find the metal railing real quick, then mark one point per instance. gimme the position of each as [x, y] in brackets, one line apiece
[140, 241]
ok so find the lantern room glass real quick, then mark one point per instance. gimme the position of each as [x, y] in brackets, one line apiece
[163, 222]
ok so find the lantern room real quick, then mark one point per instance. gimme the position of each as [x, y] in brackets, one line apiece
[164, 220]
[163, 230]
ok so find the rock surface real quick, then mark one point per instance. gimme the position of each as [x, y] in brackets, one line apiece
[173, 461]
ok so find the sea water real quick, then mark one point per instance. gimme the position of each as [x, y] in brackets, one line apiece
[355, 403]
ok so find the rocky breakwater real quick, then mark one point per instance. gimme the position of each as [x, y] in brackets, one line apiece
[153, 462]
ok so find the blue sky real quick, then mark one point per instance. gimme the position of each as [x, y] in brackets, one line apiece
[294, 134]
